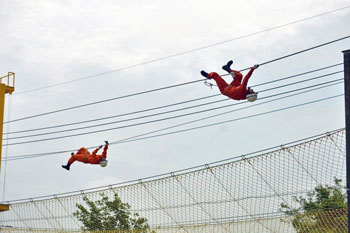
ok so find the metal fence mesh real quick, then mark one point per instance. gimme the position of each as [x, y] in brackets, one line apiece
[243, 194]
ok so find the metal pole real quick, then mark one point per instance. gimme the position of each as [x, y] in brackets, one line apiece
[347, 125]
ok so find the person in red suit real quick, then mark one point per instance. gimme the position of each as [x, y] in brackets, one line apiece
[237, 89]
[84, 156]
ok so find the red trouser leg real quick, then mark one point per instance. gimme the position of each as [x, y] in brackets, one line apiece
[95, 151]
[104, 153]
[72, 159]
[81, 150]
[219, 81]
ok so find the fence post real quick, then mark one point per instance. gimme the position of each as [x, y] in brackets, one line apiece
[346, 54]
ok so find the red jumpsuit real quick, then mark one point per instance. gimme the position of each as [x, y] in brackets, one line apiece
[83, 155]
[236, 90]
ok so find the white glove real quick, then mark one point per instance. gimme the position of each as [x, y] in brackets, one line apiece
[256, 66]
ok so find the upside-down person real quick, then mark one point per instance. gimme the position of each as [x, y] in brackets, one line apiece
[237, 89]
[84, 156]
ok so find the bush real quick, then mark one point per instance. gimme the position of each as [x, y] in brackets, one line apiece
[106, 215]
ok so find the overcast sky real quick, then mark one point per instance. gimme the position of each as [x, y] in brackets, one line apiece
[134, 46]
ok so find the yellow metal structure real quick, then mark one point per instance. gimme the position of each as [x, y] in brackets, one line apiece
[4, 207]
[7, 86]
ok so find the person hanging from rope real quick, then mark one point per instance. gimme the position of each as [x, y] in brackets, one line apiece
[237, 89]
[84, 156]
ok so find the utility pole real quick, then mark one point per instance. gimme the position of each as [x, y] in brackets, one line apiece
[347, 125]
[7, 86]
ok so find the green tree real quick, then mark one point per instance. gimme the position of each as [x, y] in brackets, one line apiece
[109, 215]
[322, 210]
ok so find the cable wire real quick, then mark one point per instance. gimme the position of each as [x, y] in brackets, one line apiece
[169, 105]
[242, 118]
[19, 157]
[205, 118]
[163, 88]
[188, 51]
[161, 113]
[46, 139]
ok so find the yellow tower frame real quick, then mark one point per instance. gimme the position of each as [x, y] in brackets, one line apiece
[7, 86]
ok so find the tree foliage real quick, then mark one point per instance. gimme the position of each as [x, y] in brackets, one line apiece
[322, 210]
[108, 215]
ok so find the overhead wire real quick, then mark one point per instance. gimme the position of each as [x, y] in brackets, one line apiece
[328, 84]
[294, 54]
[156, 114]
[172, 86]
[119, 127]
[101, 101]
[140, 136]
[188, 51]
[169, 105]
[109, 129]
[114, 116]
[301, 51]
[242, 118]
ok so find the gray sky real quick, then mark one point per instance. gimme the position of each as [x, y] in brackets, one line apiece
[47, 43]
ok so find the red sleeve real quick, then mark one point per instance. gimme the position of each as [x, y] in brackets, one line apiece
[246, 78]
[250, 73]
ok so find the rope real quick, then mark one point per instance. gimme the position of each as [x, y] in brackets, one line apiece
[163, 88]
[170, 105]
[138, 137]
[161, 113]
[130, 125]
[102, 101]
[189, 51]
[299, 52]
[292, 54]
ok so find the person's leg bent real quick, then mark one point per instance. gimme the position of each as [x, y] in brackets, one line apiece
[81, 150]
[72, 159]
[219, 81]
[104, 153]
[95, 151]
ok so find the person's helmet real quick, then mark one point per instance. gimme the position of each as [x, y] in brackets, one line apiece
[103, 163]
[252, 97]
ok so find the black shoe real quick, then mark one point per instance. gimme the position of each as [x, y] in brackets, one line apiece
[227, 67]
[67, 167]
[106, 142]
[205, 74]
